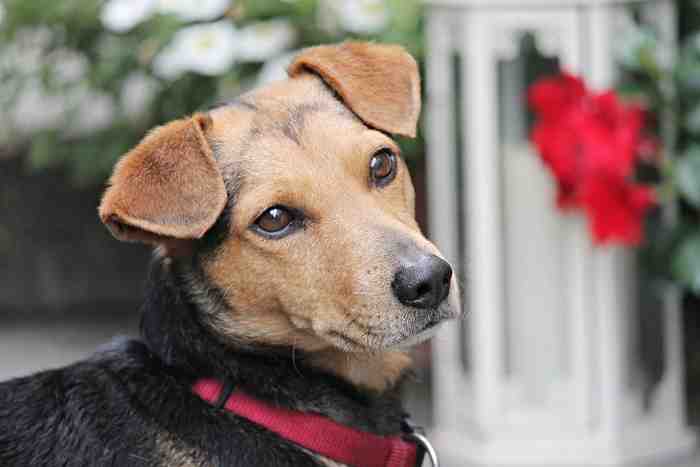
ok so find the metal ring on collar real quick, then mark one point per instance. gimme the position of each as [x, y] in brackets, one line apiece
[422, 441]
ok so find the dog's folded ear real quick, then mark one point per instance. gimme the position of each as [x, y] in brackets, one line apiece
[168, 187]
[380, 83]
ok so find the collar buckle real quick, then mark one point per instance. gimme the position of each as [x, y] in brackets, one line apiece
[416, 435]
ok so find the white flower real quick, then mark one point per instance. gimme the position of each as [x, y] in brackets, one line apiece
[363, 16]
[137, 93]
[123, 15]
[77, 110]
[25, 55]
[168, 65]
[208, 49]
[260, 41]
[194, 10]
[275, 69]
[68, 65]
[95, 111]
[35, 109]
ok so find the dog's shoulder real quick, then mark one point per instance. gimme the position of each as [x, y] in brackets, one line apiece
[122, 407]
[75, 415]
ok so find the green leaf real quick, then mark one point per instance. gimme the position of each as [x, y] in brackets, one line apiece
[689, 76]
[660, 240]
[687, 175]
[630, 89]
[692, 119]
[685, 264]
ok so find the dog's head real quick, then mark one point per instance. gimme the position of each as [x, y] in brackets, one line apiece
[311, 203]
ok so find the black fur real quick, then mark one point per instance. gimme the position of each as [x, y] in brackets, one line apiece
[131, 403]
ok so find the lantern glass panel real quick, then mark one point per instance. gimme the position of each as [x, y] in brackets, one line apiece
[533, 238]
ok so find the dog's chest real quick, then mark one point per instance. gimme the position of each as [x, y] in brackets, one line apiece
[172, 453]
[330, 463]
[175, 454]
[324, 460]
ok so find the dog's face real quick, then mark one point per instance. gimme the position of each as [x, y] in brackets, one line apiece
[321, 248]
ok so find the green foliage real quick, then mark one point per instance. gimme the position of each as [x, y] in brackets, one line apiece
[687, 175]
[672, 93]
[685, 263]
[66, 71]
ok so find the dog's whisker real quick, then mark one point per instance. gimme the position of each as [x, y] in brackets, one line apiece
[294, 360]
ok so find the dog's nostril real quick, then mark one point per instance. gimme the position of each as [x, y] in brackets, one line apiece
[424, 283]
[423, 289]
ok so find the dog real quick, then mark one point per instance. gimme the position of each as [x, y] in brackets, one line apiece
[289, 278]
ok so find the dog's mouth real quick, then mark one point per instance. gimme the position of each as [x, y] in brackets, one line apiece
[393, 336]
[427, 333]
[419, 334]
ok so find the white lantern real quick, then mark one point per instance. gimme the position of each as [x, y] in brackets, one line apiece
[550, 366]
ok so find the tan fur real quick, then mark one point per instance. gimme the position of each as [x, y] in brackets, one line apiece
[377, 371]
[168, 186]
[173, 452]
[380, 83]
[332, 284]
[324, 460]
[326, 289]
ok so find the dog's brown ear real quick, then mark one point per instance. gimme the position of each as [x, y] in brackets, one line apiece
[378, 82]
[168, 187]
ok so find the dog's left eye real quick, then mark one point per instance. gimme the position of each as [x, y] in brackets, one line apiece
[382, 167]
[275, 220]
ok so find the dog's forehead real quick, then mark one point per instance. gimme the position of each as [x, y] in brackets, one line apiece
[303, 89]
[295, 118]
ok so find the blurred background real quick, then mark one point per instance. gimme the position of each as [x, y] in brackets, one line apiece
[81, 81]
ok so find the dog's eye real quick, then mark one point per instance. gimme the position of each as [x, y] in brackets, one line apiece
[274, 220]
[382, 167]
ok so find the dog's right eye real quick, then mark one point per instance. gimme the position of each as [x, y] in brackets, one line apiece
[382, 167]
[275, 221]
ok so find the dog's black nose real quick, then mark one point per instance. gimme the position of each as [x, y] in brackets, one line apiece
[424, 283]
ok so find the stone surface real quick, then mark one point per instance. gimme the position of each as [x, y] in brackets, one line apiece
[29, 344]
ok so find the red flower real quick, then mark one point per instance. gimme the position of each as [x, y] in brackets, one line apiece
[558, 149]
[616, 209]
[551, 97]
[591, 143]
[613, 132]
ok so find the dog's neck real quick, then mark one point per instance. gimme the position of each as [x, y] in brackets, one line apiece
[377, 371]
[324, 382]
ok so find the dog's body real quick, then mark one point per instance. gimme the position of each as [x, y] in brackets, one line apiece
[289, 265]
[133, 406]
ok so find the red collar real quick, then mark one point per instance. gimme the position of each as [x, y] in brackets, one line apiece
[314, 432]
